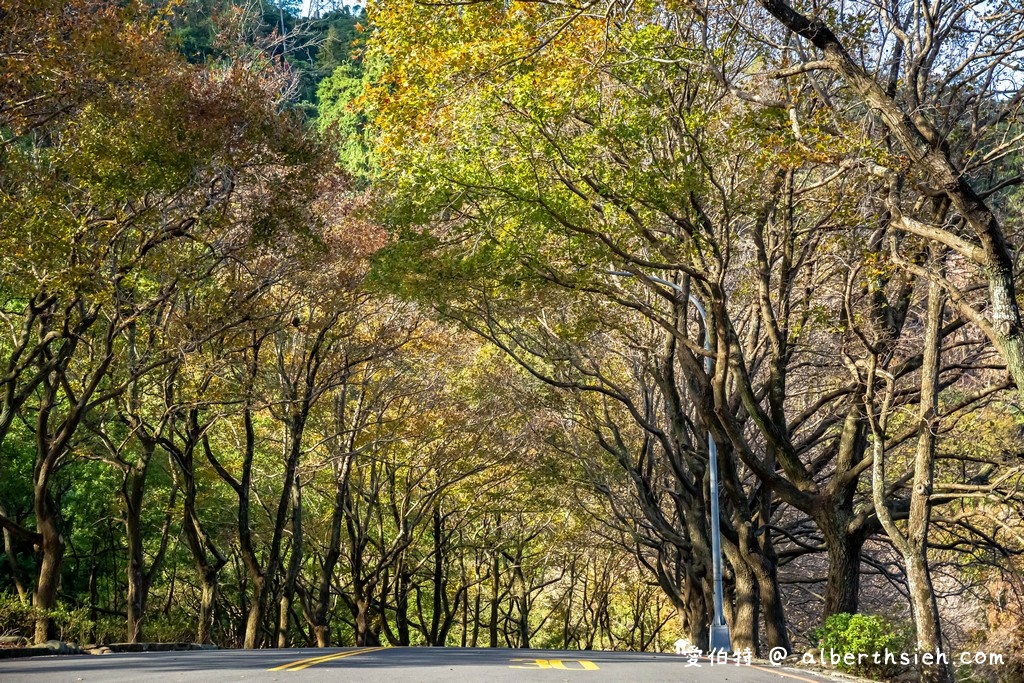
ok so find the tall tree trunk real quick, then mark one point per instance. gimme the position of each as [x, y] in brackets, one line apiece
[746, 607]
[402, 604]
[321, 625]
[254, 619]
[922, 594]
[51, 555]
[765, 571]
[207, 602]
[914, 546]
[438, 581]
[365, 634]
[50, 546]
[140, 578]
[294, 565]
[136, 577]
[842, 582]
[684, 589]
[477, 614]
[209, 572]
[492, 627]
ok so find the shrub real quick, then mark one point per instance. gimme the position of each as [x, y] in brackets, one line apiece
[19, 619]
[175, 627]
[72, 625]
[16, 617]
[857, 634]
[110, 630]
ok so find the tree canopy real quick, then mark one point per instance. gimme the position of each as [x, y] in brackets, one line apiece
[416, 324]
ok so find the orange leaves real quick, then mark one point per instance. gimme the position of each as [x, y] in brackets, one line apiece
[123, 149]
[57, 55]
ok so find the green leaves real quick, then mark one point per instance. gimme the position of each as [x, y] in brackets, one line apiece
[562, 148]
[861, 636]
[340, 118]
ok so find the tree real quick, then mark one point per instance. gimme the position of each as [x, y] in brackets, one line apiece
[110, 184]
[923, 99]
[545, 165]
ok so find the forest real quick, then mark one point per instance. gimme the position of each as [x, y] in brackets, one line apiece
[421, 323]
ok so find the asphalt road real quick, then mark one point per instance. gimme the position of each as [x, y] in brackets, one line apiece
[389, 665]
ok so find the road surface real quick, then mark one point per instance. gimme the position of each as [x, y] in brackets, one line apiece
[390, 665]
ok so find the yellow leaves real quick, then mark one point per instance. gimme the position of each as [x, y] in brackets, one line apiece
[449, 67]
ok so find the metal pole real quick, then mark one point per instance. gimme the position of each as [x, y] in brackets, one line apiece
[718, 635]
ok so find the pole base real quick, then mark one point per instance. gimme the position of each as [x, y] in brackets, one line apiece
[718, 638]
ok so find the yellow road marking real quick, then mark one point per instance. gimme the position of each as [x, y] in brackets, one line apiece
[306, 663]
[584, 664]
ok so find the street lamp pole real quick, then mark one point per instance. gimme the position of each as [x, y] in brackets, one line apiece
[718, 636]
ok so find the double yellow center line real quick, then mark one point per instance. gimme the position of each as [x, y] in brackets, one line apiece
[312, 661]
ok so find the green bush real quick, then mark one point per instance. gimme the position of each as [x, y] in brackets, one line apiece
[110, 630]
[72, 625]
[176, 627]
[16, 617]
[19, 619]
[857, 634]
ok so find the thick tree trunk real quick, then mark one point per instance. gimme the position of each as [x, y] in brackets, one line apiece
[136, 584]
[207, 603]
[523, 624]
[926, 619]
[365, 634]
[746, 601]
[684, 591]
[765, 569]
[842, 583]
[283, 618]
[698, 613]
[402, 606]
[254, 619]
[51, 552]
